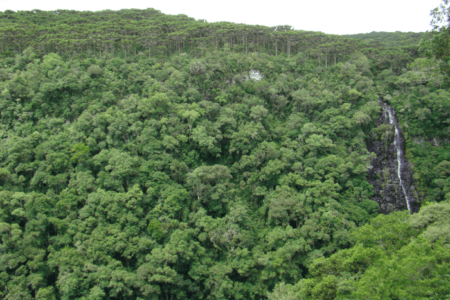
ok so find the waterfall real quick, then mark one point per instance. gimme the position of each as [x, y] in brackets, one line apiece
[389, 110]
[390, 174]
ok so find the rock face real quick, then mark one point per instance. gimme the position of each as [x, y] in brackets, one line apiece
[391, 175]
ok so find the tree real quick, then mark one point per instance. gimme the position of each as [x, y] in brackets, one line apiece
[395, 251]
[121, 177]
[435, 46]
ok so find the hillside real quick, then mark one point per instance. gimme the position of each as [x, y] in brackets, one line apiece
[147, 156]
[390, 38]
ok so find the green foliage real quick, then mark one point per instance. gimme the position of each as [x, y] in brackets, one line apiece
[154, 229]
[392, 38]
[94, 70]
[394, 257]
[80, 153]
[145, 164]
[435, 46]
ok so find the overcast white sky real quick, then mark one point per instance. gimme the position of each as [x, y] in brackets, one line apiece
[329, 16]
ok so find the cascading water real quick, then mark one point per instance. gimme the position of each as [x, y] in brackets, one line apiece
[399, 151]
[390, 173]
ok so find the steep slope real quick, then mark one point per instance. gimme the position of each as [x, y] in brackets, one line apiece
[391, 175]
[144, 159]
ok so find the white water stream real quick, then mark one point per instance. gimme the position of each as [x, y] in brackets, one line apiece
[390, 114]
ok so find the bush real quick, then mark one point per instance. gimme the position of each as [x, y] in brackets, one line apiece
[94, 70]
[197, 67]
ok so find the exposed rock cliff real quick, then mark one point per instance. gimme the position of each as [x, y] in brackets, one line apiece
[391, 174]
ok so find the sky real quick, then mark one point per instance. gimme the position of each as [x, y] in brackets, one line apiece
[328, 16]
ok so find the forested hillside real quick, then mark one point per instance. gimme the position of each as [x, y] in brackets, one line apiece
[148, 156]
[391, 38]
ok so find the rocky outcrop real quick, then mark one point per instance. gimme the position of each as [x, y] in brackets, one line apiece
[391, 175]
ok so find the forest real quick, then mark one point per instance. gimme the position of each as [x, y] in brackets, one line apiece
[152, 156]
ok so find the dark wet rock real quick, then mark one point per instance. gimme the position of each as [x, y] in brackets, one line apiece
[394, 188]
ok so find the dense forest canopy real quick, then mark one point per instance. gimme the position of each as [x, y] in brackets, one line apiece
[148, 156]
[150, 31]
